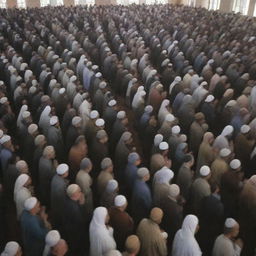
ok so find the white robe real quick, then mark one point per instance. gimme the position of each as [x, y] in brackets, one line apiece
[184, 243]
[101, 236]
[223, 246]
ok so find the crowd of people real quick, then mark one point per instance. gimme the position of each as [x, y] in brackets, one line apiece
[127, 130]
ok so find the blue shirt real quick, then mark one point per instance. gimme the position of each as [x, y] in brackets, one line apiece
[33, 234]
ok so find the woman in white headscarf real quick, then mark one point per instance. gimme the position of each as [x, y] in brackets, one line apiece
[44, 121]
[184, 243]
[163, 111]
[101, 235]
[138, 101]
[21, 192]
[19, 119]
[222, 141]
[161, 185]
[12, 249]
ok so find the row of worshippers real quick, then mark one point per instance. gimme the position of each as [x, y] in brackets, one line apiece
[164, 147]
[102, 239]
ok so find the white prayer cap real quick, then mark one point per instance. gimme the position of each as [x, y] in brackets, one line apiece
[142, 172]
[175, 129]
[30, 203]
[3, 100]
[133, 157]
[169, 118]
[5, 139]
[112, 185]
[210, 61]
[121, 115]
[205, 170]
[62, 91]
[165, 62]
[94, 114]
[120, 200]
[99, 122]
[11, 249]
[153, 72]
[225, 152]
[148, 109]
[62, 168]
[158, 139]
[32, 128]
[231, 103]
[103, 85]
[112, 103]
[235, 164]
[71, 189]
[174, 190]
[52, 238]
[54, 120]
[209, 98]
[95, 67]
[18, 78]
[26, 114]
[39, 139]
[85, 163]
[98, 75]
[203, 83]
[245, 129]
[177, 79]
[163, 145]
[101, 134]
[230, 223]
[73, 78]
[76, 120]
[105, 163]
[23, 66]
[228, 130]
[32, 90]
[1, 83]
[52, 83]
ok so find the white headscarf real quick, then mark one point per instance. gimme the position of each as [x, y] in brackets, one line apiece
[163, 176]
[21, 193]
[163, 110]
[19, 183]
[101, 237]
[138, 97]
[19, 119]
[184, 243]
[44, 121]
[10, 249]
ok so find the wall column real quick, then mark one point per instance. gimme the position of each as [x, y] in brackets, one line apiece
[251, 7]
[33, 3]
[226, 5]
[202, 3]
[11, 3]
[105, 2]
[69, 3]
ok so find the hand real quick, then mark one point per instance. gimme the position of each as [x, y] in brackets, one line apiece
[240, 243]
[81, 199]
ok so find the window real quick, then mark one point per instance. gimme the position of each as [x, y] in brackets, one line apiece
[192, 3]
[21, 3]
[241, 6]
[2, 3]
[56, 2]
[214, 4]
[44, 3]
[254, 11]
